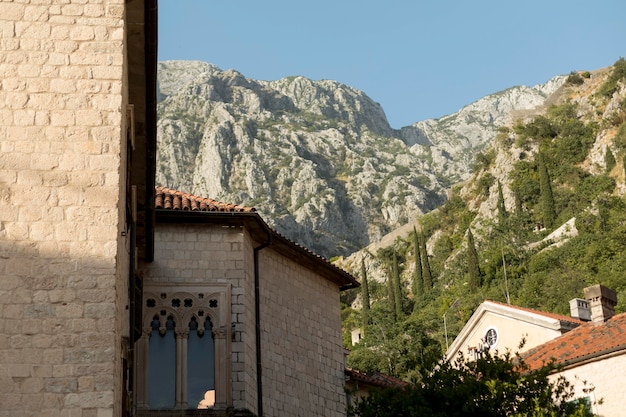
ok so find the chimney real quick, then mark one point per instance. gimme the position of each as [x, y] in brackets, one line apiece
[579, 309]
[602, 301]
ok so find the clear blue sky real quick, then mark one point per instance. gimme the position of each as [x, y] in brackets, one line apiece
[419, 59]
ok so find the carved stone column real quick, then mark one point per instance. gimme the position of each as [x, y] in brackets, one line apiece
[222, 368]
[141, 366]
[181, 368]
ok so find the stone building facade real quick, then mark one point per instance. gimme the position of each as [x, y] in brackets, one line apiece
[76, 79]
[273, 307]
[85, 268]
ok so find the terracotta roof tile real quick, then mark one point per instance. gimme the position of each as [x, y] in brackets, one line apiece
[176, 200]
[587, 341]
[172, 200]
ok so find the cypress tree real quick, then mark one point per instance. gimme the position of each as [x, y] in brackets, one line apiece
[502, 214]
[397, 287]
[391, 294]
[426, 274]
[546, 197]
[365, 295]
[609, 160]
[418, 283]
[472, 263]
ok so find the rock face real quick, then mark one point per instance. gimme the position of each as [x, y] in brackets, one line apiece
[318, 159]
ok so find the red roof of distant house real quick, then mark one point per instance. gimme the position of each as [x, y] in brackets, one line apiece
[177, 200]
[586, 342]
[559, 317]
[376, 379]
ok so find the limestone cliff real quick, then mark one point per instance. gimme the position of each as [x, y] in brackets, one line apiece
[318, 159]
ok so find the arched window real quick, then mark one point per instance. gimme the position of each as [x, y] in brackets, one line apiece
[183, 354]
[200, 360]
[162, 364]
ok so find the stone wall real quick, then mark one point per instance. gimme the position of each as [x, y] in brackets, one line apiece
[62, 260]
[303, 362]
[300, 316]
[207, 258]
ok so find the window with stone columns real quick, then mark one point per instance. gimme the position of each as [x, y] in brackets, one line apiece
[184, 350]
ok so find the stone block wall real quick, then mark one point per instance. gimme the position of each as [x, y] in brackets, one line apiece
[303, 363]
[198, 258]
[300, 317]
[62, 257]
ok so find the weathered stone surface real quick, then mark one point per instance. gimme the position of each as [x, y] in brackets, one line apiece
[318, 159]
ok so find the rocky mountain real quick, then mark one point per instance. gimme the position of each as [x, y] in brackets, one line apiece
[318, 159]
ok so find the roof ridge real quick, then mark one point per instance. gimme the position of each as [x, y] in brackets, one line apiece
[170, 199]
[587, 341]
[557, 316]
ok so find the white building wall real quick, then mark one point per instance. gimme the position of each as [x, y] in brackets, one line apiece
[607, 377]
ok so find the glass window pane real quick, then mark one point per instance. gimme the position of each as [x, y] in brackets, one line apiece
[200, 362]
[162, 367]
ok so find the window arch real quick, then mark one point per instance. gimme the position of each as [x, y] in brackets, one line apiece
[162, 363]
[200, 360]
[183, 358]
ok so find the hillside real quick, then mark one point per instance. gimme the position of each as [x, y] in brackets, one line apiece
[542, 216]
[317, 159]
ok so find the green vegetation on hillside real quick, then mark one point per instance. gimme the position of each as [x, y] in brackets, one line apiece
[507, 256]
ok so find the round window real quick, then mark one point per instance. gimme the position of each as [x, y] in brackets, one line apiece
[491, 337]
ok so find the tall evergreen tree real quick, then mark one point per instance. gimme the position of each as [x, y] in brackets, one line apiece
[397, 287]
[391, 294]
[365, 295]
[609, 160]
[548, 211]
[427, 277]
[386, 256]
[502, 214]
[473, 266]
[418, 283]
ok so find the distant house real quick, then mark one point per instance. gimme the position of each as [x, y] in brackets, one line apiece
[236, 316]
[499, 326]
[589, 347]
[592, 355]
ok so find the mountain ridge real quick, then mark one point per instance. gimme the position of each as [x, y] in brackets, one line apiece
[318, 159]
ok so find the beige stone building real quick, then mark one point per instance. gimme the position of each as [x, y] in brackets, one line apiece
[86, 271]
[502, 327]
[589, 346]
[269, 309]
[592, 356]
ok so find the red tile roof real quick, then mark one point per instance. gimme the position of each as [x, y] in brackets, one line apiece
[559, 317]
[169, 202]
[177, 200]
[376, 379]
[588, 341]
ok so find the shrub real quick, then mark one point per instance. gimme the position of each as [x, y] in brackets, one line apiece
[575, 78]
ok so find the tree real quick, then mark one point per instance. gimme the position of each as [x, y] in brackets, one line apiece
[546, 197]
[427, 278]
[397, 287]
[388, 257]
[365, 295]
[418, 283]
[502, 214]
[473, 266]
[491, 386]
[609, 160]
